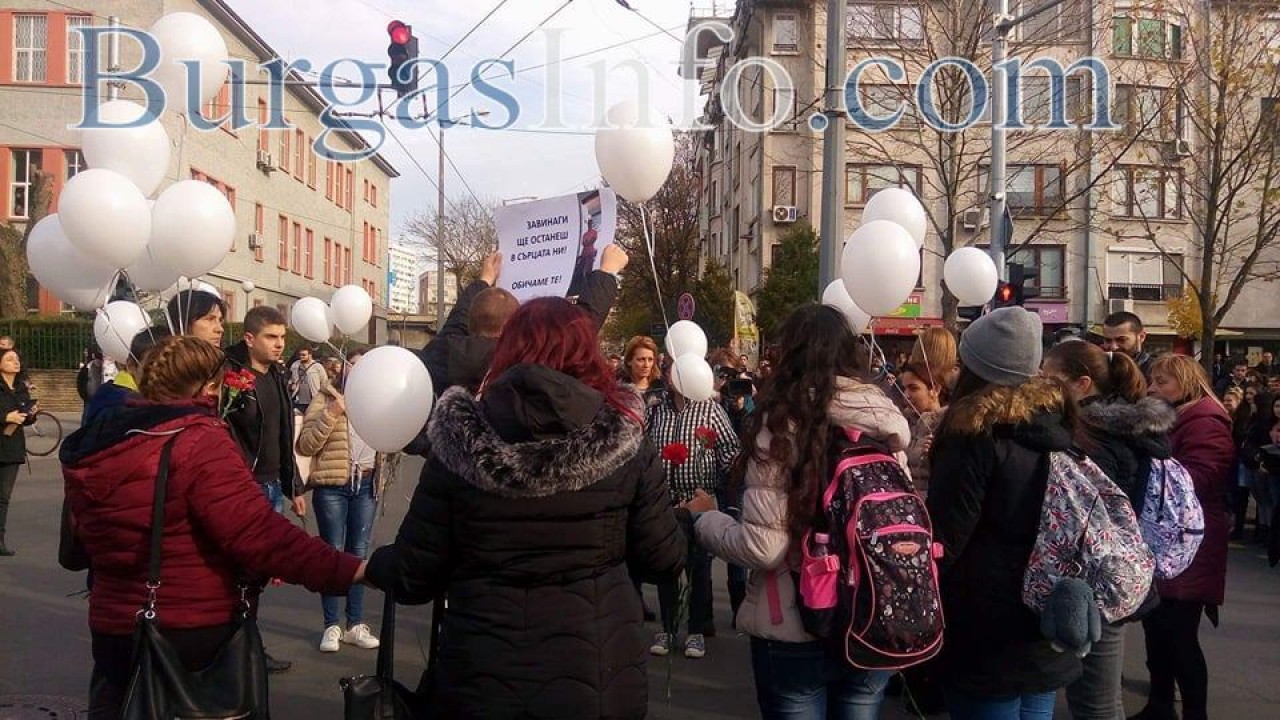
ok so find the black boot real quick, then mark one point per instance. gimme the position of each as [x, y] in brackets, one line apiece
[275, 666]
[1154, 711]
[4, 549]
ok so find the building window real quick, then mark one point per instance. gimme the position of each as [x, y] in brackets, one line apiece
[25, 163]
[217, 109]
[1152, 193]
[1063, 23]
[283, 161]
[373, 195]
[786, 33]
[364, 245]
[1030, 189]
[1159, 111]
[1037, 99]
[715, 198]
[75, 48]
[30, 48]
[295, 262]
[283, 230]
[882, 101]
[259, 227]
[328, 261]
[229, 299]
[366, 191]
[328, 180]
[337, 264]
[1269, 118]
[346, 266]
[862, 181]
[75, 162]
[264, 138]
[311, 166]
[308, 261]
[1146, 38]
[885, 21]
[784, 186]
[1050, 263]
[1149, 276]
[347, 188]
[299, 156]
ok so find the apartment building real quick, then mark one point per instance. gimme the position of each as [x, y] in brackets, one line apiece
[1085, 205]
[306, 225]
[402, 281]
[427, 294]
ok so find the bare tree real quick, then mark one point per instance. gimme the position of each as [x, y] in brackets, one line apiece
[1229, 90]
[469, 236]
[13, 248]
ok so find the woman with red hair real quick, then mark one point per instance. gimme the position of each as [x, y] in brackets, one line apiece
[535, 499]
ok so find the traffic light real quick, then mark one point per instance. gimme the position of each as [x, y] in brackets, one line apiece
[402, 51]
[1007, 295]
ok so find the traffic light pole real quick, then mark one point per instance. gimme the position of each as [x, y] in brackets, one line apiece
[440, 237]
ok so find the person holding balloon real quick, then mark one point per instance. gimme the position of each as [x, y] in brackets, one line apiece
[199, 314]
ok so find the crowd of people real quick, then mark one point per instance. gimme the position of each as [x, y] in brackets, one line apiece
[558, 482]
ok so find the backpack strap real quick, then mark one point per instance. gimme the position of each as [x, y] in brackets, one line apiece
[775, 598]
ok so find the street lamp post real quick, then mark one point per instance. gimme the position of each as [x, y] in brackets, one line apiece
[440, 220]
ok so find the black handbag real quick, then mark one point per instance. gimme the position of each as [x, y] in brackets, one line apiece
[379, 696]
[234, 685]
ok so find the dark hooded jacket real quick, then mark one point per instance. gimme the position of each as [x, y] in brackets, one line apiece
[13, 447]
[532, 505]
[1123, 439]
[990, 467]
[246, 423]
[217, 524]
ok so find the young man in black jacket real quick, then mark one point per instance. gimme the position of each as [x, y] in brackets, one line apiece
[262, 420]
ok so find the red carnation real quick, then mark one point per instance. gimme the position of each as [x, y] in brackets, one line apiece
[707, 437]
[676, 453]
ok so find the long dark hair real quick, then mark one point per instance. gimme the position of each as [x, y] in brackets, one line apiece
[1114, 374]
[815, 347]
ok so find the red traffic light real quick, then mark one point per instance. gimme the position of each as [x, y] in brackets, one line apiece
[399, 32]
[1004, 293]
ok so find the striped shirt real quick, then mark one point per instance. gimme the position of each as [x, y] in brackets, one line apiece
[706, 468]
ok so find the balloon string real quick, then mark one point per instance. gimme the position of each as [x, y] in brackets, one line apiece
[653, 265]
[115, 331]
[873, 351]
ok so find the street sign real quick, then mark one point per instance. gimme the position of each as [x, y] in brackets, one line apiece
[685, 307]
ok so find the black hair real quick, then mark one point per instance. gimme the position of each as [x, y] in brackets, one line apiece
[145, 340]
[190, 305]
[1123, 317]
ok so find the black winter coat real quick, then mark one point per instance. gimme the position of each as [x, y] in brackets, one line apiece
[989, 469]
[13, 447]
[246, 423]
[1125, 437]
[531, 507]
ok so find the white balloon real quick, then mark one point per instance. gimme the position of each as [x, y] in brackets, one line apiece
[389, 397]
[149, 275]
[837, 296]
[141, 154]
[193, 228]
[692, 377]
[635, 155]
[352, 308]
[65, 271]
[899, 206]
[686, 338]
[971, 276]
[105, 216]
[880, 266]
[310, 317]
[115, 327]
[248, 286]
[187, 36]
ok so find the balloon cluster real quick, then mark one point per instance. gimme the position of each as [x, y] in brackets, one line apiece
[349, 310]
[106, 226]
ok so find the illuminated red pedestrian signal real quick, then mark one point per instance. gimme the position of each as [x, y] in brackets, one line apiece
[403, 51]
[399, 32]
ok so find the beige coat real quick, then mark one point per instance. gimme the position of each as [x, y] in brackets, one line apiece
[761, 542]
[324, 438]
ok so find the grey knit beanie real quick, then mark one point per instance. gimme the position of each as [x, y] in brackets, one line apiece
[1003, 347]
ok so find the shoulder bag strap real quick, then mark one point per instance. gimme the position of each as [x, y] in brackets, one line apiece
[157, 527]
[387, 638]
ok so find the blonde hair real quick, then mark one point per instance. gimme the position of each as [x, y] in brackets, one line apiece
[176, 368]
[936, 349]
[636, 344]
[1188, 375]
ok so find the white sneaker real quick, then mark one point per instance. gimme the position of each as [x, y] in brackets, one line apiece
[661, 644]
[329, 642]
[361, 637]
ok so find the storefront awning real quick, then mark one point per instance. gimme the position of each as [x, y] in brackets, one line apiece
[904, 326]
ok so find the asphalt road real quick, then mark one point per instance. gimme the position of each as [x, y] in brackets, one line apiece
[44, 638]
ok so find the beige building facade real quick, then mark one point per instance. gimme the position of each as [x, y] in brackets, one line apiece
[305, 225]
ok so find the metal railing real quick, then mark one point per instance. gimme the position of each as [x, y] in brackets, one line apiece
[1143, 292]
[49, 344]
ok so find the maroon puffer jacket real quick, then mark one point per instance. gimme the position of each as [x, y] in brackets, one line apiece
[1202, 443]
[217, 521]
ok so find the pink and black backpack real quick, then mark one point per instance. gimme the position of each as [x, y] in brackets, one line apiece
[868, 583]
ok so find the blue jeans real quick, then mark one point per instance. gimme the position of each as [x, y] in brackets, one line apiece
[274, 494]
[344, 515]
[799, 681]
[1033, 706]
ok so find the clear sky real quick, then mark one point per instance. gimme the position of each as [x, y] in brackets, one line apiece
[499, 164]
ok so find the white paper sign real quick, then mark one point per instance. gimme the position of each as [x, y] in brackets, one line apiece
[550, 246]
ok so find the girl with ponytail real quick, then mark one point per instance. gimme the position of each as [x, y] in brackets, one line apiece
[1124, 431]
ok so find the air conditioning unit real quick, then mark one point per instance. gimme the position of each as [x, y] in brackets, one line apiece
[785, 214]
[1176, 149]
[265, 163]
[1115, 306]
[255, 241]
[974, 220]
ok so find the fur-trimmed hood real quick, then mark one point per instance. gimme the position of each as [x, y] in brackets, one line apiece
[1004, 405]
[1148, 416]
[536, 433]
